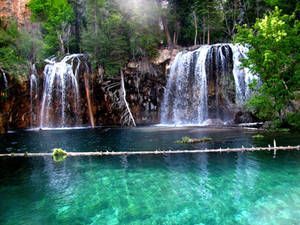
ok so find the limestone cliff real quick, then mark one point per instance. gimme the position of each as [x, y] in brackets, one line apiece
[15, 8]
[145, 82]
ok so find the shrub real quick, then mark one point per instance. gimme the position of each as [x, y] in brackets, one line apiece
[293, 119]
[258, 136]
[59, 152]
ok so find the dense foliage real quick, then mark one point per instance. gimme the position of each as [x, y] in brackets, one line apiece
[15, 48]
[113, 32]
[274, 56]
[56, 17]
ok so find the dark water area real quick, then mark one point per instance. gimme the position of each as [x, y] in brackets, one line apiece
[137, 139]
[202, 188]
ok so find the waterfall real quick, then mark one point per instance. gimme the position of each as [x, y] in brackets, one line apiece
[33, 92]
[60, 105]
[4, 80]
[243, 77]
[206, 85]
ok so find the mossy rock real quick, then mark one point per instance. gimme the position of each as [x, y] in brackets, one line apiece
[59, 158]
[193, 140]
[258, 136]
[59, 152]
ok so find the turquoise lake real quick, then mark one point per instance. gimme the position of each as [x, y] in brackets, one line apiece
[202, 188]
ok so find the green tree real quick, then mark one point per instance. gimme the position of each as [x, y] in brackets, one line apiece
[274, 56]
[211, 19]
[287, 6]
[56, 17]
[105, 37]
[116, 32]
[17, 48]
[144, 31]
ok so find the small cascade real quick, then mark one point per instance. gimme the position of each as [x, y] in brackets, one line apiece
[60, 105]
[33, 93]
[242, 77]
[185, 100]
[4, 80]
[206, 85]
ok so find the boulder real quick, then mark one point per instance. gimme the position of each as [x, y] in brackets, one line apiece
[213, 122]
[164, 55]
[132, 65]
[244, 117]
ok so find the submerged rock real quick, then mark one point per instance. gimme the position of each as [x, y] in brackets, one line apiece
[188, 140]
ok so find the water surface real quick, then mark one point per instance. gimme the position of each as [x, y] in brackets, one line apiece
[202, 188]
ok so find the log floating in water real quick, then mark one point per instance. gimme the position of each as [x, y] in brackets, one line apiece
[70, 154]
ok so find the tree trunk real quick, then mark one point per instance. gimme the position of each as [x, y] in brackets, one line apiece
[225, 18]
[167, 33]
[204, 32]
[174, 37]
[196, 27]
[177, 31]
[61, 43]
[124, 98]
[87, 91]
[208, 29]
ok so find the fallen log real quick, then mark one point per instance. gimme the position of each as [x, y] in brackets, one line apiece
[100, 153]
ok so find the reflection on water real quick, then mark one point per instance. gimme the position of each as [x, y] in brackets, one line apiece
[204, 188]
[138, 139]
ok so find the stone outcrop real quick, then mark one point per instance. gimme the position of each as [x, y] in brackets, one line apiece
[15, 105]
[15, 8]
[3, 124]
[145, 82]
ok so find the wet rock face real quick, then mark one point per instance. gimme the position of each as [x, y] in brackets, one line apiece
[144, 84]
[244, 117]
[145, 94]
[3, 124]
[15, 105]
[221, 84]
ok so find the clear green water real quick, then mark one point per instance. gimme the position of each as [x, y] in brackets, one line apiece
[207, 188]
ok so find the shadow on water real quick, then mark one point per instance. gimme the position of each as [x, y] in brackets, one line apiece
[137, 139]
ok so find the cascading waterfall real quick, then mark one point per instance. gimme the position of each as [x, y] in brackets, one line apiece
[205, 85]
[242, 77]
[4, 80]
[60, 105]
[33, 93]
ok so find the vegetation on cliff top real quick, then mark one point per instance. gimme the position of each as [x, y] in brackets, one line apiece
[113, 32]
[15, 48]
[274, 56]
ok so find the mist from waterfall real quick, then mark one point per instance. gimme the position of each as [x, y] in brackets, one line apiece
[60, 105]
[243, 77]
[205, 85]
[33, 93]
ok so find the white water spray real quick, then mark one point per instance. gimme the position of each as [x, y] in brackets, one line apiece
[4, 80]
[186, 100]
[61, 91]
[33, 92]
